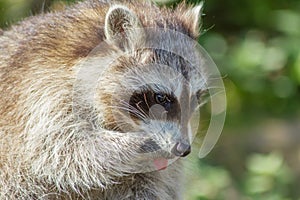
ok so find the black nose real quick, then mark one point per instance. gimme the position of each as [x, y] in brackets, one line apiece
[181, 149]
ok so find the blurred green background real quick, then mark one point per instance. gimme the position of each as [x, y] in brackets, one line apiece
[256, 45]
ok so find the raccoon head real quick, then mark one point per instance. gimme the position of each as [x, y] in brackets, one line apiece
[154, 83]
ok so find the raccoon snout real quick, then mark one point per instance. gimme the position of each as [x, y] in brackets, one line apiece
[181, 149]
[149, 146]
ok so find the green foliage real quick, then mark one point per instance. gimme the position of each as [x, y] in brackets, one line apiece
[266, 177]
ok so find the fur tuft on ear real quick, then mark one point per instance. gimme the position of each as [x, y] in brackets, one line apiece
[192, 16]
[122, 26]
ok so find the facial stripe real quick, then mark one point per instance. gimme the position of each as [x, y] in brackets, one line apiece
[185, 108]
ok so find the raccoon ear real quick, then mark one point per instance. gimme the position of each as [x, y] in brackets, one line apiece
[193, 17]
[122, 27]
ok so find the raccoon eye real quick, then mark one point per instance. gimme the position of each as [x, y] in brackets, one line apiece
[163, 100]
[160, 98]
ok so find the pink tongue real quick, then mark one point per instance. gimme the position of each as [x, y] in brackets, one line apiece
[160, 163]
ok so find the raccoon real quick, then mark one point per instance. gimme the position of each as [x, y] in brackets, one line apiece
[83, 121]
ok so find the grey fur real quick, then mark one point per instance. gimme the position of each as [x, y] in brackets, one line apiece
[49, 152]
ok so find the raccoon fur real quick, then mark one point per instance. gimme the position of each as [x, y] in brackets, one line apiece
[56, 145]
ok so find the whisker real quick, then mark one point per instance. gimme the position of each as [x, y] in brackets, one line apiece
[141, 112]
[130, 109]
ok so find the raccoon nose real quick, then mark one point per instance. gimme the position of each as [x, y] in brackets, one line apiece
[181, 149]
